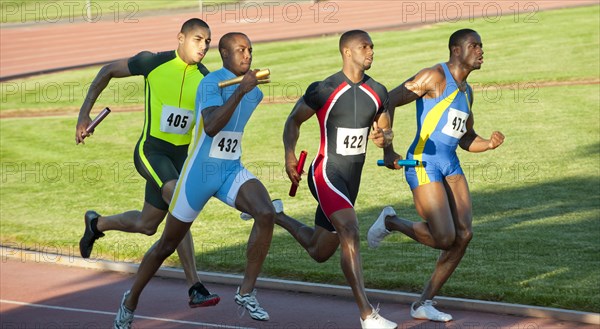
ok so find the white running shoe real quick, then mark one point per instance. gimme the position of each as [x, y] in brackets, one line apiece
[376, 321]
[277, 203]
[250, 303]
[124, 315]
[378, 232]
[427, 312]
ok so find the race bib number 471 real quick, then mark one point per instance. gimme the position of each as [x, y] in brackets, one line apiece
[352, 141]
[457, 123]
[175, 120]
[226, 145]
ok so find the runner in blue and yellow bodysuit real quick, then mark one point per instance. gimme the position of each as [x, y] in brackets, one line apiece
[441, 122]
[439, 187]
[171, 79]
[213, 169]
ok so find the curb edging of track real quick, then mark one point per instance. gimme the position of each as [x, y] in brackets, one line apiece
[307, 287]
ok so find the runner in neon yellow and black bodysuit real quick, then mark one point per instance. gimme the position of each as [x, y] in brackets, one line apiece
[170, 88]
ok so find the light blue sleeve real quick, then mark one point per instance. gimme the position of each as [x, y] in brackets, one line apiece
[209, 94]
[261, 95]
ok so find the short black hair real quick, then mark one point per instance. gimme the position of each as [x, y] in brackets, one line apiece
[226, 40]
[193, 23]
[348, 36]
[458, 37]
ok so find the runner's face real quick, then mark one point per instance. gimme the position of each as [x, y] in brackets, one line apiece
[362, 51]
[194, 45]
[239, 55]
[471, 53]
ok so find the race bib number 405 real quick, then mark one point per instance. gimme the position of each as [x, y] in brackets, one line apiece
[226, 145]
[457, 123]
[352, 141]
[174, 120]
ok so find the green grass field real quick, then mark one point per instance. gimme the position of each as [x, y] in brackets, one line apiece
[536, 199]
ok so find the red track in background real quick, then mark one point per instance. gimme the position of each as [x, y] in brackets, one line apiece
[43, 47]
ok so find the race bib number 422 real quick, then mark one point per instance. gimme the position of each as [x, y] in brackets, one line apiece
[226, 145]
[352, 141]
[457, 123]
[175, 120]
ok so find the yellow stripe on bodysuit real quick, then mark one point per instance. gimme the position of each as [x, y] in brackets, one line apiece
[141, 153]
[429, 124]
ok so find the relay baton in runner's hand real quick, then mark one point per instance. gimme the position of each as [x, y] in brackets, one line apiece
[401, 163]
[96, 122]
[299, 170]
[260, 75]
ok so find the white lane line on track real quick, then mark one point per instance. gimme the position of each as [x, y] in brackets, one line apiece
[113, 313]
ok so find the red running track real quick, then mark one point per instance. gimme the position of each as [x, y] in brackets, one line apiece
[43, 46]
[45, 295]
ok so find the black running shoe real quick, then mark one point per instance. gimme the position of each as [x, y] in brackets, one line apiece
[200, 297]
[91, 234]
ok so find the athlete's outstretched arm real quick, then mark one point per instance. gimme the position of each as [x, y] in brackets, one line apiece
[118, 69]
[291, 132]
[422, 84]
[216, 117]
[474, 143]
[403, 94]
[415, 87]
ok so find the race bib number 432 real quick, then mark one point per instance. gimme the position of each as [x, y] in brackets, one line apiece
[457, 123]
[175, 120]
[352, 141]
[226, 145]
